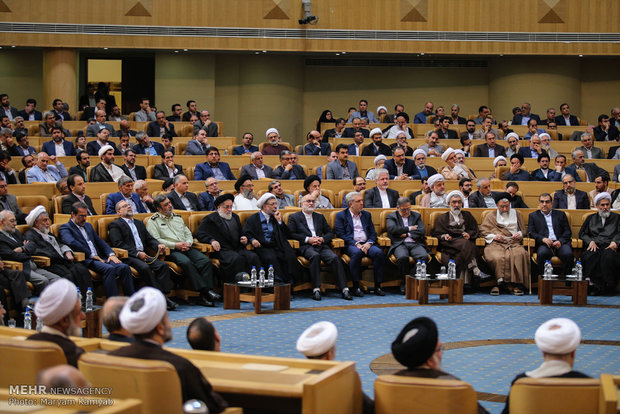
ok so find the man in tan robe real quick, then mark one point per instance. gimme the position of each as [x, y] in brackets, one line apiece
[454, 170]
[503, 232]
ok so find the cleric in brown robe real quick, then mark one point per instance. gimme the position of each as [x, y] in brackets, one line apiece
[146, 318]
[503, 232]
[457, 231]
[59, 308]
[418, 348]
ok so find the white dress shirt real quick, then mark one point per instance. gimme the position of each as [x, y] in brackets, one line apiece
[550, 226]
[136, 235]
[359, 235]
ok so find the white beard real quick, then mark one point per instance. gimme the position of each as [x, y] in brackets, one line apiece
[308, 210]
[604, 214]
[44, 230]
[248, 194]
[455, 211]
[225, 216]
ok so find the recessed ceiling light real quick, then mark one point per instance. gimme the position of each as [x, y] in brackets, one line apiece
[185, 50]
[264, 51]
[580, 55]
[105, 48]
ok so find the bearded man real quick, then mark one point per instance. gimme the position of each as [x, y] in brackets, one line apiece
[437, 197]
[245, 200]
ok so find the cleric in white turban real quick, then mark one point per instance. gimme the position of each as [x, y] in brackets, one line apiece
[60, 310]
[263, 199]
[143, 311]
[319, 341]
[557, 339]
[437, 197]
[34, 215]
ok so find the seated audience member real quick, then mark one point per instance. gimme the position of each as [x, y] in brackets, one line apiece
[550, 117]
[202, 335]
[176, 113]
[246, 146]
[213, 167]
[49, 121]
[199, 145]
[359, 184]
[379, 162]
[170, 230]
[513, 145]
[552, 233]
[77, 193]
[125, 187]
[401, 141]
[391, 118]
[418, 348]
[22, 148]
[42, 172]
[483, 112]
[544, 173]
[466, 146]
[615, 116]
[354, 225]
[160, 126]
[605, 131]
[145, 317]
[124, 144]
[465, 187]
[487, 126]
[207, 124]
[557, 339]
[27, 161]
[273, 147]
[284, 199]
[341, 168]
[8, 173]
[532, 129]
[124, 129]
[363, 112]
[545, 144]
[484, 197]
[18, 128]
[566, 118]
[100, 117]
[453, 170]
[191, 111]
[287, 170]
[490, 148]
[588, 148]
[109, 317]
[400, 167]
[314, 145]
[498, 162]
[207, 198]
[167, 168]
[406, 232]
[516, 201]
[9, 202]
[180, 197]
[90, 111]
[80, 236]
[525, 115]
[534, 150]
[166, 142]
[244, 200]
[421, 117]
[601, 185]
[503, 233]
[470, 128]
[424, 189]
[146, 113]
[421, 169]
[454, 115]
[103, 136]
[331, 157]
[256, 169]
[30, 113]
[60, 310]
[147, 147]
[357, 127]
[106, 170]
[14, 282]
[570, 198]
[65, 377]
[400, 127]
[516, 173]
[223, 231]
[80, 144]
[444, 131]
[600, 233]
[355, 147]
[131, 170]
[504, 128]
[377, 146]
[590, 168]
[268, 234]
[432, 147]
[562, 169]
[141, 188]
[337, 131]
[312, 185]
[437, 196]
[381, 196]
[314, 235]
[6, 140]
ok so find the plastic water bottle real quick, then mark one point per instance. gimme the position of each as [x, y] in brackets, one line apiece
[423, 269]
[261, 277]
[253, 276]
[579, 270]
[451, 269]
[418, 269]
[270, 276]
[27, 320]
[226, 152]
[89, 300]
[547, 272]
[39, 324]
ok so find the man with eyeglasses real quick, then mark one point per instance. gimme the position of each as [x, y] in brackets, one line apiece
[525, 115]
[160, 126]
[207, 124]
[206, 199]
[287, 170]
[570, 198]
[402, 119]
[551, 231]
[284, 199]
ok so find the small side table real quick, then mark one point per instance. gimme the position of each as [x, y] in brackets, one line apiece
[281, 296]
[91, 326]
[578, 290]
[419, 289]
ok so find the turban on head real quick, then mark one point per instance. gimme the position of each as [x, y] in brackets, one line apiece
[263, 199]
[455, 193]
[143, 311]
[498, 159]
[34, 215]
[380, 107]
[379, 158]
[56, 301]
[375, 131]
[241, 180]
[558, 336]
[600, 196]
[544, 133]
[270, 130]
[310, 179]
[417, 152]
[434, 179]
[512, 134]
[447, 153]
[416, 343]
[104, 149]
[317, 339]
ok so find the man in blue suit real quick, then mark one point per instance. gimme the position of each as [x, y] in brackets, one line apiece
[206, 200]
[562, 169]
[354, 225]
[246, 147]
[213, 167]
[125, 192]
[145, 146]
[103, 135]
[544, 173]
[525, 115]
[314, 145]
[400, 167]
[100, 258]
[42, 172]
[29, 113]
[58, 144]
[552, 233]
[358, 140]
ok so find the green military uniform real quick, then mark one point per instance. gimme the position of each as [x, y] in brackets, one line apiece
[172, 230]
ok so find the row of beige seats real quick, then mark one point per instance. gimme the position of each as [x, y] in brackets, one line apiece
[314, 386]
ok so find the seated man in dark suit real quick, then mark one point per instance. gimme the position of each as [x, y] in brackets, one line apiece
[314, 145]
[206, 199]
[77, 193]
[124, 129]
[222, 230]
[81, 237]
[484, 197]
[355, 226]
[337, 131]
[27, 161]
[146, 147]
[570, 198]
[133, 171]
[246, 146]
[167, 168]
[160, 126]
[93, 129]
[562, 169]
[399, 167]
[103, 136]
[377, 146]
[516, 173]
[58, 146]
[490, 148]
[9, 202]
[130, 234]
[207, 124]
[357, 126]
[125, 192]
[566, 118]
[182, 199]
[381, 196]
[552, 233]
[83, 162]
[516, 201]
[358, 140]
[141, 188]
[605, 131]
[287, 170]
[29, 113]
[60, 310]
[591, 169]
[544, 173]
[314, 236]
[444, 131]
[256, 169]
[534, 150]
[421, 169]
[109, 318]
[213, 167]
[525, 115]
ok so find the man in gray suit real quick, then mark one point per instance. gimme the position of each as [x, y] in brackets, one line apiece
[9, 202]
[198, 145]
[406, 232]
[342, 168]
[381, 196]
[589, 150]
[94, 129]
[256, 168]
[283, 199]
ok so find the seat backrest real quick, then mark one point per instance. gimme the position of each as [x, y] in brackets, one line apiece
[27, 202]
[582, 175]
[155, 383]
[22, 360]
[400, 394]
[57, 203]
[103, 198]
[195, 219]
[150, 171]
[555, 395]
[102, 227]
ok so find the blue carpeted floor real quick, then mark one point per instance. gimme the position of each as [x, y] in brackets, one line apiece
[368, 325]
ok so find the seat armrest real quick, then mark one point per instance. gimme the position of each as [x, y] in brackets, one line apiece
[9, 264]
[337, 243]
[528, 241]
[294, 243]
[79, 256]
[384, 241]
[577, 244]
[203, 247]
[42, 261]
[480, 242]
[120, 253]
[432, 241]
